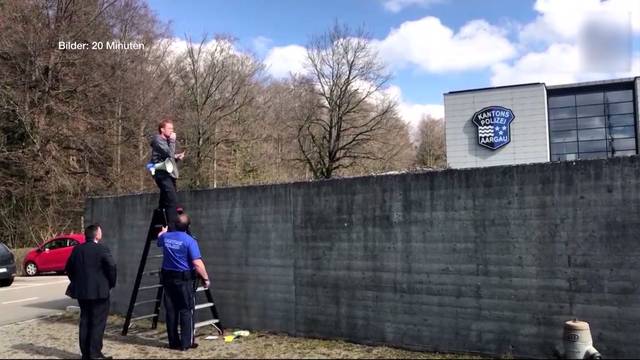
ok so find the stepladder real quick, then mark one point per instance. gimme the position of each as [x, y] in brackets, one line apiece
[147, 292]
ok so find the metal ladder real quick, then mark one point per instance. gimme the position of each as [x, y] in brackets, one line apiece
[159, 220]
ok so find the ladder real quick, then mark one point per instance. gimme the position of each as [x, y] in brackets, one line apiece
[159, 220]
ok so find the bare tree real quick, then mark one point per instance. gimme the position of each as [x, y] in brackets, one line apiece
[45, 104]
[393, 148]
[431, 147]
[66, 117]
[216, 83]
[76, 123]
[348, 111]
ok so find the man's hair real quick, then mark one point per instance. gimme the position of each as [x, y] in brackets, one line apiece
[91, 231]
[183, 222]
[163, 123]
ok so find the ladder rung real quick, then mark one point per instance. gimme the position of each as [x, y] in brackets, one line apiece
[205, 323]
[200, 288]
[152, 272]
[150, 287]
[205, 305]
[143, 317]
[146, 302]
[151, 333]
[156, 256]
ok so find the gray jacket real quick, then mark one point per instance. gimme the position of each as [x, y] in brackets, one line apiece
[163, 149]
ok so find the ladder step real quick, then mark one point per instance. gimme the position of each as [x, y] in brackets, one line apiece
[150, 287]
[152, 272]
[200, 288]
[156, 256]
[146, 302]
[205, 323]
[150, 334]
[205, 305]
[143, 317]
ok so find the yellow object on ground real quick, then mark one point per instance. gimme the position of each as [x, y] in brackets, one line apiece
[229, 338]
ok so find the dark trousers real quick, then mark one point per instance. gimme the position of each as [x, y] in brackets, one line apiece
[93, 320]
[168, 196]
[179, 302]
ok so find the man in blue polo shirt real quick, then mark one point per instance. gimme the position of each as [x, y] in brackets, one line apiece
[181, 262]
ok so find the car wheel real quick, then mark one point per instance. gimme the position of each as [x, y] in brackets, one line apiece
[6, 282]
[31, 269]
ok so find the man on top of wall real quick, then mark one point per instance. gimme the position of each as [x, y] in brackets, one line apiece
[164, 168]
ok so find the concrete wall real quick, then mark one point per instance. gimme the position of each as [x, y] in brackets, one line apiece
[529, 135]
[637, 105]
[489, 260]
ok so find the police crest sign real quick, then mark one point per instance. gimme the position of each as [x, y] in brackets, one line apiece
[494, 126]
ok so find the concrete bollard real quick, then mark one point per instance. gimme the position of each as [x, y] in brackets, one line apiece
[577, 341]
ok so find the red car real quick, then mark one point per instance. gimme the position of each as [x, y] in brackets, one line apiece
[52, 255]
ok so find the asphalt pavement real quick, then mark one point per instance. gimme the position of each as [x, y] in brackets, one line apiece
[33, 297]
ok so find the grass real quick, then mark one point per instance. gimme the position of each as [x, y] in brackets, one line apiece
[259, 344]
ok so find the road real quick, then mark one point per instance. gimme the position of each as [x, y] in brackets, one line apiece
[33, 297]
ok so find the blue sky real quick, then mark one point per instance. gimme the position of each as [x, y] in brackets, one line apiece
[431, 46]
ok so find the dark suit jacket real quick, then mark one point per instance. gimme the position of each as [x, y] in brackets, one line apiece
[92, 272]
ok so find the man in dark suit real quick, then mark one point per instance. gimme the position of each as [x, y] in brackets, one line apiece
[92, 272]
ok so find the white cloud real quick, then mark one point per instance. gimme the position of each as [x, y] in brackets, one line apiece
[556, 65]
[565, 20]
[177, 47]
[559, 64]
[261, 44]
[430, 45]
[409, 112]
[397, 5]
[574, 41]
[425, 43]
[412, 113]
[285, 60]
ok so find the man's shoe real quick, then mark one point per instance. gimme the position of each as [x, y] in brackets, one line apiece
[193, 346]
[103, 356]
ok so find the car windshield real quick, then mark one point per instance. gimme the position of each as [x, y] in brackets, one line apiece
[4, 250]
[56, 244]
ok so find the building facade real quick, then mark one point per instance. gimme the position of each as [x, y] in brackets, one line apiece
[532, 123]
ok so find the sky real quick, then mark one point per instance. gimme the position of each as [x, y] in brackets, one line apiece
[432, 47]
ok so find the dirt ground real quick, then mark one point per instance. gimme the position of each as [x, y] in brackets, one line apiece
[56, 337]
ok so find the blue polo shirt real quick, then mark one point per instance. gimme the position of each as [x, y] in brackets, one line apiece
[179, 250]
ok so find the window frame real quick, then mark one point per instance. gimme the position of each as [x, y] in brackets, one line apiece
[605, 89]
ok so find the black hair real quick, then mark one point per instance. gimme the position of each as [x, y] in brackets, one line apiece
[91, 231]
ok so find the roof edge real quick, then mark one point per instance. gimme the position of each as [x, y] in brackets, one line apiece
[493, 88]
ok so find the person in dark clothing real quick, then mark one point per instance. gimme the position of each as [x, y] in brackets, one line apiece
[163, 151]
[92, 273]
[181, 264]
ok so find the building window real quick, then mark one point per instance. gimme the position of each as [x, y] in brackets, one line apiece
[592, 124]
